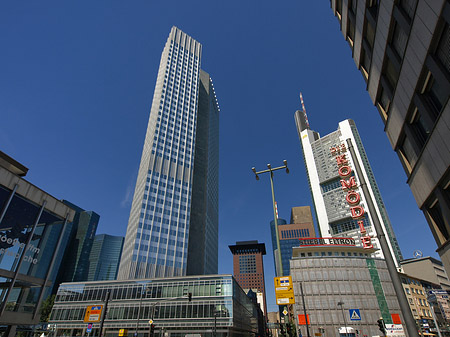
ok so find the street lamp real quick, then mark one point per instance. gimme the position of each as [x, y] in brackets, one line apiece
[271, 170]
[341, 304]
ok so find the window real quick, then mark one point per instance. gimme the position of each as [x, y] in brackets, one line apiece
[399, 40]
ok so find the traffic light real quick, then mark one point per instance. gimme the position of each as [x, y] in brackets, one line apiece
[381, 326]
[152, 329]
[190, 297]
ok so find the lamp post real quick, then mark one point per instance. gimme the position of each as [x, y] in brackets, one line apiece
[143, 291]
[271, 170]
[341, 304]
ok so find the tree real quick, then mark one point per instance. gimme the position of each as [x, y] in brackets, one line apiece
[46, 308]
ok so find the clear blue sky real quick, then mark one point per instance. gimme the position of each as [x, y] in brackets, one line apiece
[76, 85]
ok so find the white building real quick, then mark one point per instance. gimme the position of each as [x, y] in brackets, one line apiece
[173, 224]
[339, 201]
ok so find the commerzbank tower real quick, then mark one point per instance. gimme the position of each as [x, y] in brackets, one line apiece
[173, 224]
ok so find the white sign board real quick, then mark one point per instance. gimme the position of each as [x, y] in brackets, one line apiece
[394, 330]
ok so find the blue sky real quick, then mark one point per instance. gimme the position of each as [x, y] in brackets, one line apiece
[76, 85]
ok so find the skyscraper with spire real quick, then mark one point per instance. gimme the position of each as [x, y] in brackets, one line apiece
[173, 224]
[340, 203]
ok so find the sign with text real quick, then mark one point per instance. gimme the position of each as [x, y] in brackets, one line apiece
[93, 313]
[394, 330]
[284, 291]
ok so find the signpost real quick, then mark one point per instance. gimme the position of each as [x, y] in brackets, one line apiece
[394, 330]
[354, 314]
[93, 313]
[284, 291]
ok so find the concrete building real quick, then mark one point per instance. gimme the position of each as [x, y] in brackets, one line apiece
[105, 257]
[218, 307]
[173, 224]
[301, 226]
[402, 51]
[248, 268]
[427, 269]
[338, 277]
[34, 231]
[340, 202]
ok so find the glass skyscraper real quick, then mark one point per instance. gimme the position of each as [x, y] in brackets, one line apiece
[340, 203]
[105, 257]
[173, 224]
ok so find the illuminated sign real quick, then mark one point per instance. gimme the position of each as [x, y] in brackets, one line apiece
[327, 242]
[349, 185]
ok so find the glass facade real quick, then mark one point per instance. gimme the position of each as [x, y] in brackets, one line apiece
[132, 304]
[173, 224]
[32, 238]
[104, 258]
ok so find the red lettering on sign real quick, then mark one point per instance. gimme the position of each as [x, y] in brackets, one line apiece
[366, 241]
[344, 171]
[353, 198]
[341, 160]
[357, 212]
[348, 184]
[361, 227]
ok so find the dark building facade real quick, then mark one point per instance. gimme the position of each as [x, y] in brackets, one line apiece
[34, 231]
[248, 266]
[76, 260]
[402, 49]
[105, 257]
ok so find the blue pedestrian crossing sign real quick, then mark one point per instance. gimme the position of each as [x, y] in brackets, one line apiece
[354, 314]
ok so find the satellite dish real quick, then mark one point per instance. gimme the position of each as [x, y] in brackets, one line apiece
[417, 254]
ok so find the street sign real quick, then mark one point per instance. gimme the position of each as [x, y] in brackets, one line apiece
[284, 291]
[89, 327]
[354, 314]
[93, 313]
[285, 312]
[150, 321]
[437, 292]
[394, 330]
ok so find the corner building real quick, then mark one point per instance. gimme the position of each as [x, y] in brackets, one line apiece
[173, 224]
[334, 211]
[402, 49]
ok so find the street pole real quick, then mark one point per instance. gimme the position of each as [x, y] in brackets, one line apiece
[279, 270]
[341, 304]
[139, 311]
[108, 293]
[392, 269]
[215, 324]
[304, 309]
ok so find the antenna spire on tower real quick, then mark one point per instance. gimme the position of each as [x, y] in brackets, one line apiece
[304, 110]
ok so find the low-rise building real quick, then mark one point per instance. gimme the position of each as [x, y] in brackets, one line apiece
[207, 305]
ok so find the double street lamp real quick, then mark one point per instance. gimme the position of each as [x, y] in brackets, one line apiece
[270, 170]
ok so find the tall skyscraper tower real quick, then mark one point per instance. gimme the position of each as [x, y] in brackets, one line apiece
[248, 266]
[340, 204]
[173, 225]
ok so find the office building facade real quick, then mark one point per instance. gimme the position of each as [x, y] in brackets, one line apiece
[336, 279]
[34, 231]
[340, 203]
[75, 266]
[402, 50]
[173, 224]
[218, 307]
[248, 267]
[105, 257]
[428, 269]
[301, 226]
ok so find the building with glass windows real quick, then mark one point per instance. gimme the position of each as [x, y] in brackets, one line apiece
[218, 307]
[248, 267]
[34, 231]
[345, 289]
[105, 257]
[75, 266]
[402, 50]
[301, 226]
[173, 224]
[340, 203]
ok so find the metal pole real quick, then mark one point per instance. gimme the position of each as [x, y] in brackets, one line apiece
[215, 325]
[340, 303]
[139, 310]
[104, 312]
[304, 309]
[434, 319]
[396, 282]
[280, 271]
